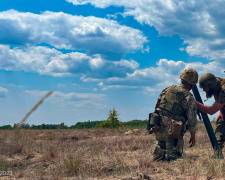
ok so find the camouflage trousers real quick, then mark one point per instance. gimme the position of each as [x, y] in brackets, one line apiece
[220, 132]
[167, 148]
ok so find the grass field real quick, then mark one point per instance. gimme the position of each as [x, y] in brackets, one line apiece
[101, 154]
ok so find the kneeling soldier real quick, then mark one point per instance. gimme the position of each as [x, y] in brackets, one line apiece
[175, 111]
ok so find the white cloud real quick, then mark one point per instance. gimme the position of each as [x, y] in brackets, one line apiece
[70, 100]
[147, 49]
[96, 62]
[29, 59]
[3, 92]
[50, 61]
[66, 96]
[121, 87]
[130, 64]
[64, 31]
[200, 23]
[103, 4]
[154, 79]
[165, 70]
[79, 96]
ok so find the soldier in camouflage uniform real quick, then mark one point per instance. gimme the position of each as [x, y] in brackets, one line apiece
[177, 110]
[214, 86]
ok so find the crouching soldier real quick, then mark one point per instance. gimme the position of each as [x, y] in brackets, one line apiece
[215, 86]
[175, 111]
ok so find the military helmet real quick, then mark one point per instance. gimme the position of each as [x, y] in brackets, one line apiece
[207, 80]
[190, 76]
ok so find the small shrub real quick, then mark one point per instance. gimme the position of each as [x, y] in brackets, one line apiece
[4, 165]
[72, 164]
[105, 124]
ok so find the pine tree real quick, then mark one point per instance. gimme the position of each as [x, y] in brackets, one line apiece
[113, 118]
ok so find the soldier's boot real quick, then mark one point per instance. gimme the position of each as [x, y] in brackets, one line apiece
[159, 154]
[219, 154]
[221, 146]
[173, 154]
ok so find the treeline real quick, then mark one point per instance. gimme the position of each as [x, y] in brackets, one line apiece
[79, 125]
[86, 125]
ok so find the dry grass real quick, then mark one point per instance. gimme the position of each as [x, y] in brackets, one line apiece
[101, 154]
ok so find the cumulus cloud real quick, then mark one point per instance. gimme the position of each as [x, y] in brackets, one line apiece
[107, 74]
[154, 79]
[200, 23]
[102, 4]
[3, 92]
[64, 31]
[49, 61]
[31, 59]
[193, 21]
[148, 79]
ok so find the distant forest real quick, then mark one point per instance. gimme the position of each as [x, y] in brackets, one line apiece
[79, 125]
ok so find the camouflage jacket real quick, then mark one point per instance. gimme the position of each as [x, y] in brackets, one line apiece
[220, 94]
[176, 102]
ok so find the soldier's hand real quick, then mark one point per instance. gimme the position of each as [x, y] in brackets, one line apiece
[219, 116]
[192, 139]
[191, 142]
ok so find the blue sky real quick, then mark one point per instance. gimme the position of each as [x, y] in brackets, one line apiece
[96, 55]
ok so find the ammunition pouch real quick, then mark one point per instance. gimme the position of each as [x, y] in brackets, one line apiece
[153, 120]
[175, 129]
